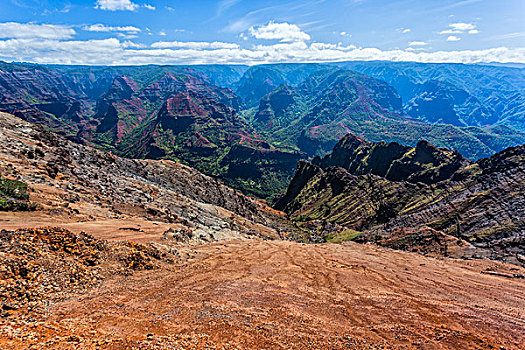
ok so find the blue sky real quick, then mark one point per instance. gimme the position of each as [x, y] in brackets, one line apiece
[258, 31]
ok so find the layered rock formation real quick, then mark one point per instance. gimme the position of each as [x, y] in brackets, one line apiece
[377, 189]
[258, 81]
[214, 139]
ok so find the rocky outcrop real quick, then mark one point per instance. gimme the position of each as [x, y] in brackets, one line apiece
[378, 189]
[424, 163]
[44, 265]
[85, 184]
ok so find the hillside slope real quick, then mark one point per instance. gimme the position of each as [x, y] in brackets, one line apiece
[292, 111]
[77, 184]
[488, 94]
[332, 103]
[154, 254]
[380, 191]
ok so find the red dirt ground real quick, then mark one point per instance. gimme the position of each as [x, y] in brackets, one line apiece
[255, 294]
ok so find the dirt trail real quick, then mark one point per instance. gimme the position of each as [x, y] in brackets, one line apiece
[254, 294]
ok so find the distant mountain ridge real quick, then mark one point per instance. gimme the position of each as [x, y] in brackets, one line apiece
[494, 94]
[331, 103]
[281, 112]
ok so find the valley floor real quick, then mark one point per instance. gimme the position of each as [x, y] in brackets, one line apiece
[257, 294]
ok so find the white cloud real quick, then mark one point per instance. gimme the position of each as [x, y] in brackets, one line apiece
[462, 26]
[127, 44]
[417, 43]
[162, 33]
[31, 30]
[403, 30]
[345, 34]
[450, 31]
[416, 49]
[61, 52]
[453, 38]
[459, 28]
[284, 32]
[51, 47]
[103, 28]
[150, 7]
[114, 52]
[194, 45]
[127, 36]
[328, 46]
[114, 5]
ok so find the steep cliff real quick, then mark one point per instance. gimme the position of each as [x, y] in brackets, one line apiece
[378, 189]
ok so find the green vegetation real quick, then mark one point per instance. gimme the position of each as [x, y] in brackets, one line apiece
[329, 104]
[343, 236]
[14, 195]
[284, 112]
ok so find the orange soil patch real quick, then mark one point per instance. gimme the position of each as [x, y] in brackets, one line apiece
[254, 294]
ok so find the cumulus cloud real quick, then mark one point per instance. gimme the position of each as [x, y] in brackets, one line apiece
[127, 44]
[61, 52]
[103, 28]
[345, 34]
[150, 7]
[462, 26]
[450, 31]
[453, 38]
[194, 45]
[31, 30]
[56, 47]
[415, 49]
[114, 52]
[116, 5]
[417, 43]
[285, 32]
